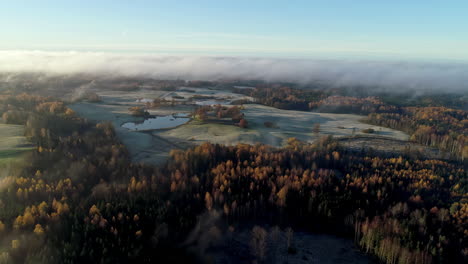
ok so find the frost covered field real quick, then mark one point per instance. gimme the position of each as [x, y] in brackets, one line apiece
[12, 143]
[153, 146]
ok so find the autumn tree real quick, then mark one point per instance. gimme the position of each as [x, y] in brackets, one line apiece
[243, 123]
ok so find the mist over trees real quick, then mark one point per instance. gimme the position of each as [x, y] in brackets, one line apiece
[387, 75]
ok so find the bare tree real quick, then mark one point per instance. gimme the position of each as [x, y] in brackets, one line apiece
[258, 243]
[273, 239]
[289, 236]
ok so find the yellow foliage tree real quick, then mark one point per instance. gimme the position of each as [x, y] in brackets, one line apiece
[19, 193]
[208, 201]
[38, 230]
[28, 219]
[18, 223]
[15, 244]
[94, 210]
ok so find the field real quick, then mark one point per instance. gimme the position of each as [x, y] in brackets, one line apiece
[154, 146]
[12, 143]
[287, 124]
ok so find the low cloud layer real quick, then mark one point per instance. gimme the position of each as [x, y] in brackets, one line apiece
[437, 76]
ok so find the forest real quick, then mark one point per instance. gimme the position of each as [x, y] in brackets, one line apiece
[78, 198]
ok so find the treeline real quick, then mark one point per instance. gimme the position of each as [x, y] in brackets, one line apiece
[283, 97]
[79, 199]
[322, 96]
[440, 127]
[219, 113]
[287, 98]
[349, 104]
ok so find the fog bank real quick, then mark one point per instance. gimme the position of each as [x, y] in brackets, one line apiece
[443, 76]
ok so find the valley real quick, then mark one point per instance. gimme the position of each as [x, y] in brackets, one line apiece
[179, 130]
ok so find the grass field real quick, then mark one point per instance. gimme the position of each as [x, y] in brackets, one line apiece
[12, 143]
[154, 146]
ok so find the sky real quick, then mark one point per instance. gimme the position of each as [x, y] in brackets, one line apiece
[421, 29]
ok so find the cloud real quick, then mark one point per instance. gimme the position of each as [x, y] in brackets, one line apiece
[399, 75]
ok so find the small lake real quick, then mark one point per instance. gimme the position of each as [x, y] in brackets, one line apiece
[159, 122]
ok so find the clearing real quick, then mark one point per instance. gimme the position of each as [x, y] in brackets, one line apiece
[12, 143]
[266, 125]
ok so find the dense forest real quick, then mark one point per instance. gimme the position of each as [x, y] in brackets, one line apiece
[440, 127]
[78, 198]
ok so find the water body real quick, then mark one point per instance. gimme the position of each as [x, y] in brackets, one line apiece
[159, 122]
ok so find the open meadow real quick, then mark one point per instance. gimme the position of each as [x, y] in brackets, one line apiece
[153, 146]
[12, 143]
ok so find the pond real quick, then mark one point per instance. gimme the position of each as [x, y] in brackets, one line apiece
[159, 122]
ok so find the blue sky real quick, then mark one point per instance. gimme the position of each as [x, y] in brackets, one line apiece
[332, 28]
